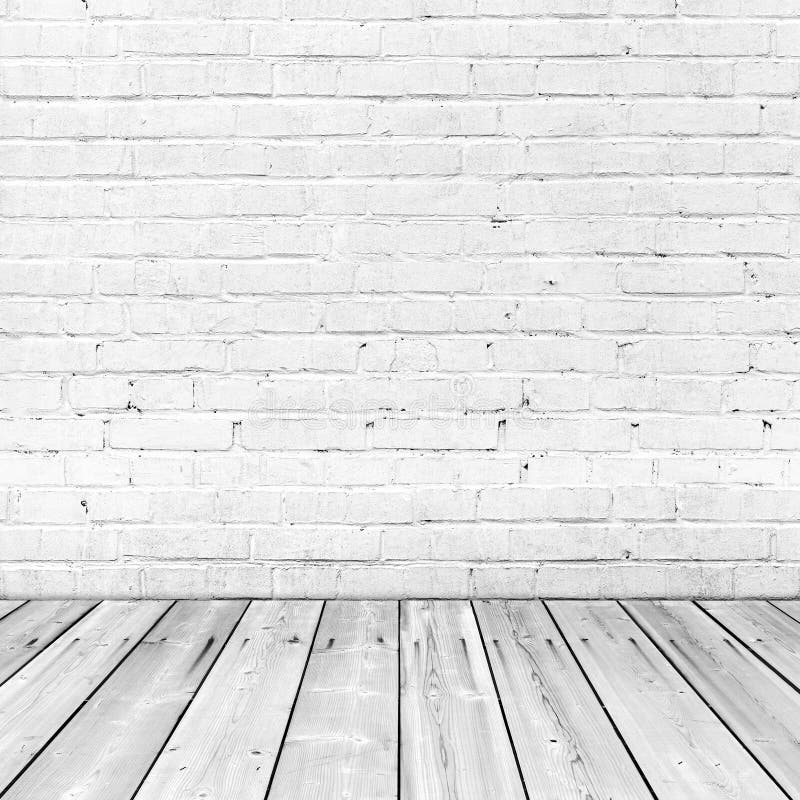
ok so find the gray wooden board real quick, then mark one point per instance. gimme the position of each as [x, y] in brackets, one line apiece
[566, 745]
[342, 740]
[454, 742]
[42, 696]
[33, 627]
[759, 707]
[790, 607]
[227, 743]
[685, 752]
[107, 747]
[764, 629]
[7, 606]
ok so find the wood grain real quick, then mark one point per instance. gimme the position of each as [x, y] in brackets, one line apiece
[454, 741]
[33, 627]
[40, 698]
[765, 630]
[759, 707]
[7, 606]
[108, 746]
[790, 607]
[227, 743]
[685, 752]
[342, 740]
[566, 745]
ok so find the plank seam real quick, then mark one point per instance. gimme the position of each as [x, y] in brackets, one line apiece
[747, 647]
[611, 720]
[791, 617]
[85, 701]
[499, 701]
[294, 702]
[191, 700]
[399, 697]
[49, 644]
[703, 699]
[13, 610]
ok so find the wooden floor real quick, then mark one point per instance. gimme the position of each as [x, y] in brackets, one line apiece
[236, 700]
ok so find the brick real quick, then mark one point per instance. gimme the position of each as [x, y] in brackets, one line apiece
[541, 433]
[51, 434]
[644, 502]
[182, 543]
[694, 434]
[182, 433]
[579, 355]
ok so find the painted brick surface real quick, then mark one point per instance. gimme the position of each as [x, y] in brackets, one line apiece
[424, 297]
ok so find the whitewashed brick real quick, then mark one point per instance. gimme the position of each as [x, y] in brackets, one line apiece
[183, 543]
[564, 393]
[331, 543]
[712, 543]
[681, 355]
[620, 470]
[24, 469]
[578, 542]
[97, 469]
[249, 505]
[456, 469]
[758, 394]
[679, 394]
[635, 393]
[157, 355]
[303, 434]
[466, 433]
[537, 433]
[644, 502]
[51, 434]
[209, 581]
[581, 355]
[183, 433]
[154, 470]
[30, 394]
[440, 504]
[58, 544]
[352, 298]
[688, 433]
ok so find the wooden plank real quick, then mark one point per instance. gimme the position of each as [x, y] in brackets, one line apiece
[342, 740]
[454, 743]
[759, 707]
[33, 627]
[683, 749]
[108, 746]
[42, 696]
[765, 630]
[227, 743]
[7, 606]
[790, 607]
[566, 746]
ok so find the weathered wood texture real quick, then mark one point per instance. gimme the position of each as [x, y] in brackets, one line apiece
[42, 696]
[757, 705]
[566, 746]
[454, 741]
[766, 630]
[342, 740]
[108, 746]
[422, 700]
[7, 606]
[227, 743]
[790, 607]
[683, 749]
[31, 628]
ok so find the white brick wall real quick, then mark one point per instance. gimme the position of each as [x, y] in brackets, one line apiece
[399, 298]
